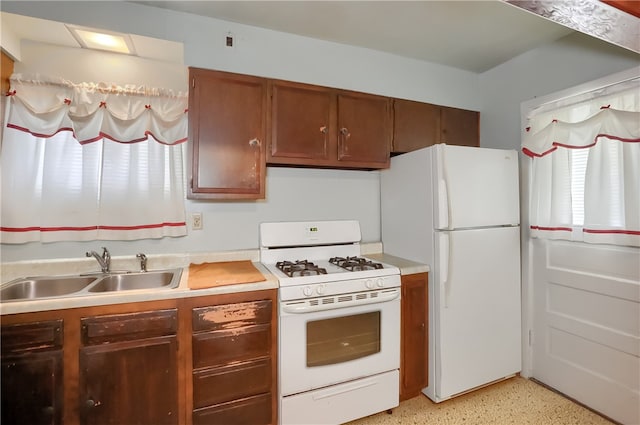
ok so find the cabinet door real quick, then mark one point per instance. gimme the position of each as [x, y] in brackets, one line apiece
[364, 130]
[413, 363]
[32, 389]
[132, 382]
[300, 119]
[415, 125]
[460, 127]
[226, 134]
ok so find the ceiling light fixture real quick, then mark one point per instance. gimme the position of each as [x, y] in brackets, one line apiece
[90, 38]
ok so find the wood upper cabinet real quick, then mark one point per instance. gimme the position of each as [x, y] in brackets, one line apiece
[323, 127]
[227, 127]
[32, 381]
[460, 127]
[414, 335]
[301, 116]
[364, 129]
[417, 125]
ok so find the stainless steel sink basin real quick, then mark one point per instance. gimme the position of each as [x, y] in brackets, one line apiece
[127, 282]
[34, 288]
[41, 287]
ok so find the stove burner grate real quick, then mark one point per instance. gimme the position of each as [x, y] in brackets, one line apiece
[355, 263]
[299, 268]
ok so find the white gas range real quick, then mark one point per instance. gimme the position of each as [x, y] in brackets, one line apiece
[339, 313]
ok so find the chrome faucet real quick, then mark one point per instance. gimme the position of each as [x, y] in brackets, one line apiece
[104, 260]
[143, 262]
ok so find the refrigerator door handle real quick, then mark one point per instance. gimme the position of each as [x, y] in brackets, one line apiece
[445, 266]
[443, 192]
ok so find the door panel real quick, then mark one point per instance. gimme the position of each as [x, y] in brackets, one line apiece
[479, 331]
[586, 330]
[145, 368]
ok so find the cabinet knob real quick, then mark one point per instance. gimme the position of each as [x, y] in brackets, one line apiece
[254, 142]
[323, 129]
[91, 403]
[344, 131]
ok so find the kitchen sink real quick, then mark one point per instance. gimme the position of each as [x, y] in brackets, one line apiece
[46, 287]
[127, 282]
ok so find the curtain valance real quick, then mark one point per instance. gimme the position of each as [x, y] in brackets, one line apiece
[44, 106]
[610, 123]
[585, 167]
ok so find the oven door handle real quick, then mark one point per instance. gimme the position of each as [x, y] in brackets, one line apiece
[313, 305]
[348, 389]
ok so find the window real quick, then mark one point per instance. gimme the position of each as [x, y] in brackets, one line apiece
[585, 182]
[82, 163]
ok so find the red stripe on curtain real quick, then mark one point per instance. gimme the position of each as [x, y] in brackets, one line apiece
[553, 229]
[85, 228]
[613, 231]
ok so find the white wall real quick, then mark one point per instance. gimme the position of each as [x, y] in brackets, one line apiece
[315, 194]
[231, 225]
[570, 61]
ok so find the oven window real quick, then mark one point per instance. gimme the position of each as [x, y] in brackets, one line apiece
[340, 339]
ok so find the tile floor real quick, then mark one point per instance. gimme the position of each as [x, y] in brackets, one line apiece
[516, 401]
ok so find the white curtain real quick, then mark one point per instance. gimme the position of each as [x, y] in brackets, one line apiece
[586, 167]
[91, 162]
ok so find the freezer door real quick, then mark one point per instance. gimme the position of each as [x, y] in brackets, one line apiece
[475, 187]
[478, 334]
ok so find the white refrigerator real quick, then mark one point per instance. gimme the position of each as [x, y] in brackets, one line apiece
[456, 209]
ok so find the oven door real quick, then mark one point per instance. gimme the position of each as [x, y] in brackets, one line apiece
[325, 347]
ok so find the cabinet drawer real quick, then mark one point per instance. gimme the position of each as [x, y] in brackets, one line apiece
[229, 316]
[219, 347]
[129, 326]
[221, 384]
[252, 410]
[28, 336]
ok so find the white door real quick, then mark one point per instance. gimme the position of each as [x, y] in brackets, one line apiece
[586, 328]
[476, 187]
[478, 334]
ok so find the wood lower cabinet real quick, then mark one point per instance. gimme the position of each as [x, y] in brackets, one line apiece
[226, 135]
[203, 360]
[324, 127]
[234, 358]
[418, 125]
[129, 368]
[32, 378]
[414, 335]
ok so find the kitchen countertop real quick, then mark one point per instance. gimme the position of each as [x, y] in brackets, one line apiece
[405, 266]
[11, 271]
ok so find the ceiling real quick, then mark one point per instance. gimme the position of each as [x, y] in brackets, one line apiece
[474, 35]
[471, 35]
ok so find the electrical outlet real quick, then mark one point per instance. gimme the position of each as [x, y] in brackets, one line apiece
[196, 221]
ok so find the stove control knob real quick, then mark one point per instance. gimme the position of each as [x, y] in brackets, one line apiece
[380, 282]
[307, 291]
[320, 289]
[368, 283]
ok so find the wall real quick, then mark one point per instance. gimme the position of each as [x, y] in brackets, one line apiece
[292, 194]
[570, 61]
[496, 93]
